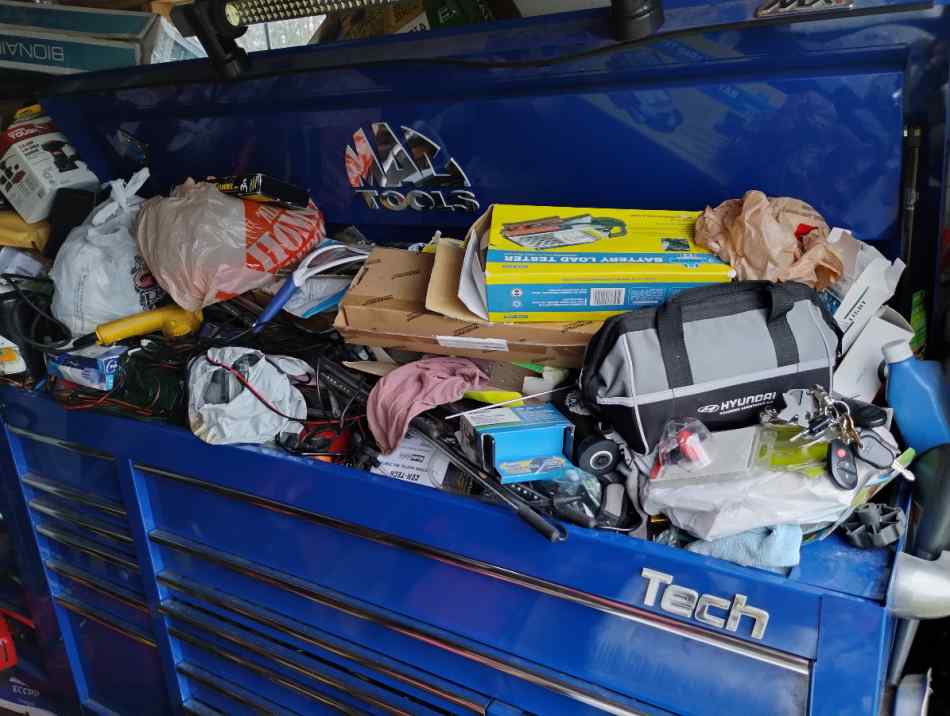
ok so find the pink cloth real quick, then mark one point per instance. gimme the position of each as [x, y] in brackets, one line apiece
[413, 388]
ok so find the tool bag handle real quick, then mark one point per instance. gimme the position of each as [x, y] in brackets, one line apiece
[777, 298]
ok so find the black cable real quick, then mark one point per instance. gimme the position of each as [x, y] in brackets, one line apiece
[13, 280]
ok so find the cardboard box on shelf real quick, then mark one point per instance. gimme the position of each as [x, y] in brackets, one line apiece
[386, 306]
[525, 264]
[57, 39]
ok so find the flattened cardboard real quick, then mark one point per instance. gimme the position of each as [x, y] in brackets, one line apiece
[442, 296]
[386, 306]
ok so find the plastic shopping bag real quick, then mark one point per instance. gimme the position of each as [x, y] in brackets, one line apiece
[223, 410]
[204, 246]
[98, 274]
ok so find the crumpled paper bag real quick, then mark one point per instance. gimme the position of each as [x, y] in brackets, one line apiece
[777, 239]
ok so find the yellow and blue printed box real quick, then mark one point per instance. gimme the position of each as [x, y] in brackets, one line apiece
[547, 263]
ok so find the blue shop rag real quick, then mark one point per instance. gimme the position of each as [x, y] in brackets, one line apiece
[774, 548]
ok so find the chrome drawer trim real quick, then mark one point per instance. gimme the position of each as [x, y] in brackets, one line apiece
[86, 548]
[64, 444]
[200, 708]
[230, 604]
[93, 583]
[171, 609]
[91, 615]
[735, 645]
[223, 687]
[70, 517]
[557, 686]
[70, 493]
[265, 673]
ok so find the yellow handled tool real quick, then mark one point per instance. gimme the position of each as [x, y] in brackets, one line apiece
[171, 320]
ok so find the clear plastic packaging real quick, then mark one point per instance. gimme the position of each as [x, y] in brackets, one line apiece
[684, 444]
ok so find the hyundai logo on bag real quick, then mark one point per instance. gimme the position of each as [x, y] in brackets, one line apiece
[795, 7]
[705, 608]
[407, 172]
[726, 407]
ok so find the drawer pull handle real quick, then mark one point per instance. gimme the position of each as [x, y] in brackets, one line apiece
[68, 493]
[68, 516]
[96, 585]
[265, 673]
[93, 616]
[86, 547]
[64, 444]
[241, 608]
[247, 647]
[228, 690]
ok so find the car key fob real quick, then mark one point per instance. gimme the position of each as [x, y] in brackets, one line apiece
[842, 465]
[866, 415]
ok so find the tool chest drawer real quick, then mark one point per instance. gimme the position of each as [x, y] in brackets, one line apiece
[66, 465]
[130, 680]
[211, 695]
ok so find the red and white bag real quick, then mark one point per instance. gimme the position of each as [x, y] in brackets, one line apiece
[204, 246]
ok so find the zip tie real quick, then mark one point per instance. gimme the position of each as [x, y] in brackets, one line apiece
[506, 402]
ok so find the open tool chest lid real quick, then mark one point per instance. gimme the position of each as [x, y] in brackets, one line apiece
[834, 103]
[391, 136]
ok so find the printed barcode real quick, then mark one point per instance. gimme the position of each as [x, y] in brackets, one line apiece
[606, 297]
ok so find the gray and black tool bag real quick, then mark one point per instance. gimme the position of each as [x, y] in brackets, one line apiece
[720, 353]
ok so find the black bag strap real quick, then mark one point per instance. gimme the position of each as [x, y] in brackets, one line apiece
[778, 299]
[782, 299]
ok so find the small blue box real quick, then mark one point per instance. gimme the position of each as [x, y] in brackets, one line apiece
[520, 444]
[94, 367]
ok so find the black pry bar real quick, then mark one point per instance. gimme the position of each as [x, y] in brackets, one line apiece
[336, 377]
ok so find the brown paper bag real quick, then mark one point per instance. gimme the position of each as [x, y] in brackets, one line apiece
[778, 239]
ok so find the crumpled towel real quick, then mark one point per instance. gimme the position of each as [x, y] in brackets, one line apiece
[777, 239]
[772, 548]
[414, 388]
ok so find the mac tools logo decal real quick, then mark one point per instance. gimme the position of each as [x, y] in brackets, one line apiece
[413, 172]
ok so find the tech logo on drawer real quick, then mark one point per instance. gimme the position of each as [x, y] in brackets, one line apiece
[705, 608]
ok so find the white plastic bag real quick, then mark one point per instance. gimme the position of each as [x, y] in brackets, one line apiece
[222, 410]
[98, 273]
[205, 246]
[742, 498]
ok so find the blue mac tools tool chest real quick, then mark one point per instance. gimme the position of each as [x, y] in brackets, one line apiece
[188, 578]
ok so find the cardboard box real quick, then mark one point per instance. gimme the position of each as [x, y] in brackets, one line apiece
[94, 367]
[58, 39]
[548, 263]
[386, 306]
[857, 375]
[35, 162]
[263, 189]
